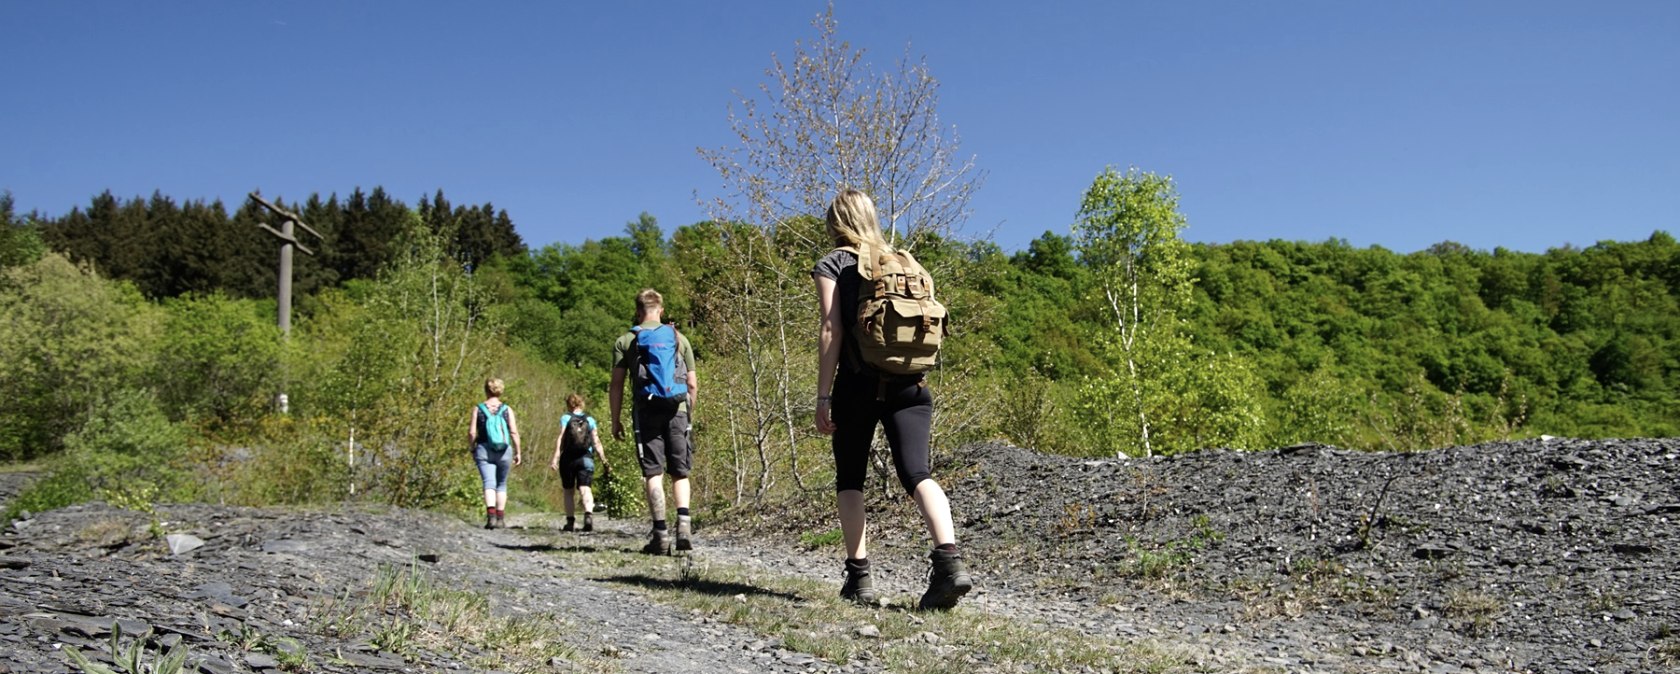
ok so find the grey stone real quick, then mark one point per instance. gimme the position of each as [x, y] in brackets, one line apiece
[180, 544]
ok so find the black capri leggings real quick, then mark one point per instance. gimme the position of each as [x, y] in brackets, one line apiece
[907, 414]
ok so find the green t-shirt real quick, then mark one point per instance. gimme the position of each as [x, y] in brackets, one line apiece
[624, 351]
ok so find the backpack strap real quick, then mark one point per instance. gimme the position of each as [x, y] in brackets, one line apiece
[866, 260]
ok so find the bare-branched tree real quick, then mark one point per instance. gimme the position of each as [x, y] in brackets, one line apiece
[824, 120]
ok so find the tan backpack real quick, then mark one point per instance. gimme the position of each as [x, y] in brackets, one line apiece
[899, 325]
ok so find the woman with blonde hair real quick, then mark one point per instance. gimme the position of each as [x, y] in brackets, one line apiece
[576, 452]
[492, 431]
[852, 398]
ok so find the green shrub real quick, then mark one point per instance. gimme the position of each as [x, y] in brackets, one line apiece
[219, 359]
[127, 454]
[68, 335]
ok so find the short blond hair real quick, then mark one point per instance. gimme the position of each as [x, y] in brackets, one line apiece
[493, 387]
[647, 300]
[574, 402]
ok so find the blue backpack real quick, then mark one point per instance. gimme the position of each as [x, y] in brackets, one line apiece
[493, 428]
[661, 374]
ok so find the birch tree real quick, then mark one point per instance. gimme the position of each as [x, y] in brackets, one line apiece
[1127, 233]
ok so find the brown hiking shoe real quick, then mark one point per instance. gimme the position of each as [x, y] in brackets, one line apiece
[858, 588]
[685, 530]
[947, 582]
[657, 544]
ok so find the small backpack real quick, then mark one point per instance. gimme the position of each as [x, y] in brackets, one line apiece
[661, 374]
[899, 325]
[577, 434]
[493, 428]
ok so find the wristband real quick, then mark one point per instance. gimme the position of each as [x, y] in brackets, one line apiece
[824, 399]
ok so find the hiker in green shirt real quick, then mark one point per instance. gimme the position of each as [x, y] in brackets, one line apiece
[660, 362]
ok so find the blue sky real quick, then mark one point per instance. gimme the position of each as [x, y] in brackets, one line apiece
[1526, 125]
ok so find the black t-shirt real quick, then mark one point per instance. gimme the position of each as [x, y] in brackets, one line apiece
[842, 266]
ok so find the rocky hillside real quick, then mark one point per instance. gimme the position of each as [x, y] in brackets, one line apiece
[1540, 556]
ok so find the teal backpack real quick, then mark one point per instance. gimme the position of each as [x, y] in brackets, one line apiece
[493, 428]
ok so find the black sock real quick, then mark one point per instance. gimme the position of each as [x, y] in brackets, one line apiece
[570, 519]
[858, 563]
[659, 525]
[948, 547]
[682, 512]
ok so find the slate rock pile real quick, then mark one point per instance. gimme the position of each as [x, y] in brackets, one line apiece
[1545, 555]
[1536, 556]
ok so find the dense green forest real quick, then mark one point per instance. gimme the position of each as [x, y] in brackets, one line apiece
[139, 358]
[140, 340]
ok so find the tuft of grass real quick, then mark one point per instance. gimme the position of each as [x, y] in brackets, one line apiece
[290, 653]
[1075, 517]
[1474, 611]
[246, 639]
[131, 658]
[809, 617]
[1665, 647]
[813, 540]
[1605, 601]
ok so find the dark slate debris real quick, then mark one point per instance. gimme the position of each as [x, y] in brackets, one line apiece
[1535, 556]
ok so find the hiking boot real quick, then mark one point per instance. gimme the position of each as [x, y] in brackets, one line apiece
[571, 524]
[657, 545]
[948, 581]
[489, 520]
[858, 588]
[588, 522]
[501, 523]
[685, 529]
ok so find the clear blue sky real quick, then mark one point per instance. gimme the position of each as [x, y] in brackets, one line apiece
[1519, 124]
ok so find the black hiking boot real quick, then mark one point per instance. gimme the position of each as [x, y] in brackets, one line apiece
[571, 523]
[657, 544]
[948, 581]
[859, 588]
[685, 530]
[588, 522]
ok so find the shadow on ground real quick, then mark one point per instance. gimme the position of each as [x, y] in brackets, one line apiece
[712, 587]
[542, 547]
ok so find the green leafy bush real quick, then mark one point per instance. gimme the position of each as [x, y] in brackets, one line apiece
[219, 359]
[68, 335]
[127, 453]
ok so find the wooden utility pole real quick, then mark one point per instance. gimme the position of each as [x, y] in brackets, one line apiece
[288, 240]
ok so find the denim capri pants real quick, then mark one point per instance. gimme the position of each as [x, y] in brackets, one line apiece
[493, 467]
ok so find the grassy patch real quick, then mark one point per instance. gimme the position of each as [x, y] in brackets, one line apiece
[809, 617]
[1312, 585]
[1175, 557]
[821, 539]
[1474, 612]
[404, 611]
